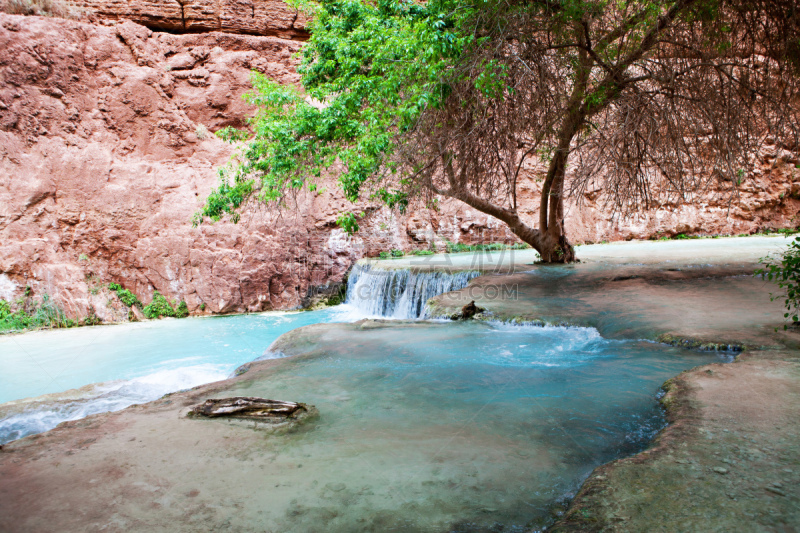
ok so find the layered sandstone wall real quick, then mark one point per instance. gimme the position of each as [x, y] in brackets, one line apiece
[254, 17]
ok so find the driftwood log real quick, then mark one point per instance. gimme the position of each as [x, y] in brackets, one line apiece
[249, 408]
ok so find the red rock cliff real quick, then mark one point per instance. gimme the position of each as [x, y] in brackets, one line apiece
[105, 155]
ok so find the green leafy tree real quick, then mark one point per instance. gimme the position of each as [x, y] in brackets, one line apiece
[648, 100]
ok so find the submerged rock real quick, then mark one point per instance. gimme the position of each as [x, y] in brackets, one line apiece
[251, 408]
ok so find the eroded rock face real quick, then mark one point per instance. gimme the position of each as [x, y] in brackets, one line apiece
[254, 17]
[105, 154]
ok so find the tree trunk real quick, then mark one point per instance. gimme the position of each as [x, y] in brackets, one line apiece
[554, 247]
[552, 244]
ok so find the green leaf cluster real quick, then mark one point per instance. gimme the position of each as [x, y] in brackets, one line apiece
[160, 307]
[784, 270]
[348, 222]
[125, 296]
[232, 135]
[368, 72]
[30, 314]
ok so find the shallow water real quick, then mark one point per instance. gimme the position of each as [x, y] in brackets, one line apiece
[107, 368]
[439, 426]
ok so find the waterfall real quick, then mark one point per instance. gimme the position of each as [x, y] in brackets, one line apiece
[400, 293]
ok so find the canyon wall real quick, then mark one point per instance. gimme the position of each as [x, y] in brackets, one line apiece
[254, 17]
[106, 152]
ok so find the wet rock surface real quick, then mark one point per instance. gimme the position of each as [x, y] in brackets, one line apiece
[248, 408]
[728, 461]
[467, 312]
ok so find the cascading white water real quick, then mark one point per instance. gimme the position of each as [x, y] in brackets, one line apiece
[400, 293]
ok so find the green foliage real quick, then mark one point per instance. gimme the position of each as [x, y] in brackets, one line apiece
[31, 314]
[181, 310]
[232, 135]
[784, 270]
[369, 71]
[125, 296]
[422, 252]
[677, 237]
[227, 198]
[348, 222]
[783, 231]
[397, 253]
[160, 307]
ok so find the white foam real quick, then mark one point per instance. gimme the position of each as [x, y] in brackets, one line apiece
[111, 396]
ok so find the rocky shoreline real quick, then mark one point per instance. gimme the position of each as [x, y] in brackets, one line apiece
[728, 461]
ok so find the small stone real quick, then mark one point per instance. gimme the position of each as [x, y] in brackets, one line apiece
[720, 470]
[335, 487]
[776, 490]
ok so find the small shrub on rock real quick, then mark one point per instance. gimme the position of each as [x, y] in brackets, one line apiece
[160, 307]
[784, 269]
[125, 296]
[181, 310]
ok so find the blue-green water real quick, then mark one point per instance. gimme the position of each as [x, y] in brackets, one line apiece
[424, 426]
[128, 363]
[453, 426]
